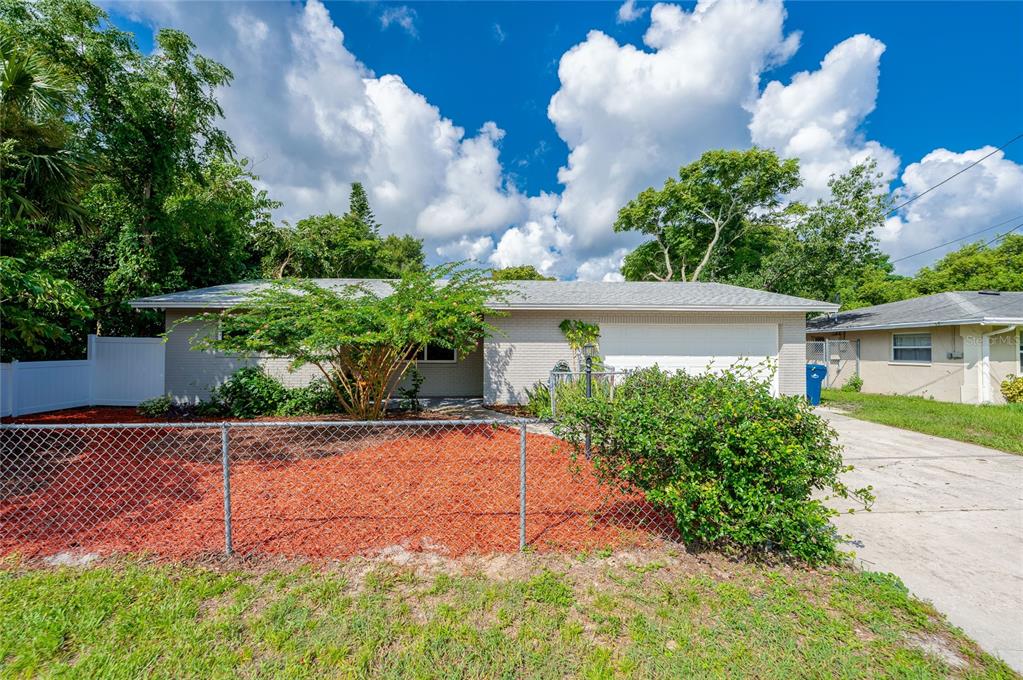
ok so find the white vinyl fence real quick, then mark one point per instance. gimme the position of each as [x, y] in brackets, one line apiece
[117, 372]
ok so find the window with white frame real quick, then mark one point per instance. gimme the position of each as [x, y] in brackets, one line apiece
[911, 348]
[1019, 346]
[436, 354]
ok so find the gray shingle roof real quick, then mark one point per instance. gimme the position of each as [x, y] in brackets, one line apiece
[941, 309]
[581, 295]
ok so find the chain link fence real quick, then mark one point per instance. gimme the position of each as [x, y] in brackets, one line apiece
[308, 489]
[842, 357]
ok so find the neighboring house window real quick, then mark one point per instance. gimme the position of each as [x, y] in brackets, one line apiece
[1019, 346]
[912, 347]
[436, 353]
[222, 334]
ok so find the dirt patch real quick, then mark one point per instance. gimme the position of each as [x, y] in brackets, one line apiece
[937, 647]
[316, 492]
[511, 410]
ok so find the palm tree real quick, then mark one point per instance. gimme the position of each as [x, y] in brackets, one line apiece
[39, 174]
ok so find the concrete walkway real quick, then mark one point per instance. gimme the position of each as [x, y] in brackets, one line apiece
[948, 520]
[473, 409]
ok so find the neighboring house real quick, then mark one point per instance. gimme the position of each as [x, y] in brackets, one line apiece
[949, 346]
[676, 325]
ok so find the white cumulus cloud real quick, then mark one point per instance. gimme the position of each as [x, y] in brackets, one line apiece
[402, 16]
[981, 197]
[631, 117]
[629, 12]
[607, 268]
[314, 119]
[540, 241]
[817, 117]
[467, 248]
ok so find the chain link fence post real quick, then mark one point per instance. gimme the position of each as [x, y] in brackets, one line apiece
[522, 487]
[226, 462]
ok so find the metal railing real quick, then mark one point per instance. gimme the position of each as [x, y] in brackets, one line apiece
[607, 380]
[307, 489]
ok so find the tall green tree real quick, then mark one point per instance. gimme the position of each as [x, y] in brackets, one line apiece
[523, 272]
[359, 209]
[40, 174]
[38, 308]
[158, 202]
[707, 223]
[345, 246]
[976, 266]
[40, 178]
[829, 246]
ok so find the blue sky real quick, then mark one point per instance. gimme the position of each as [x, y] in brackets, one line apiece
[949, 78]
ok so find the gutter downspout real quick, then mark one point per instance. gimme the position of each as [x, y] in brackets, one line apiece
[984, 384]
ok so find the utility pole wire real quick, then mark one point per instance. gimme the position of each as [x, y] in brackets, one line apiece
[974, 164]
[1003, 235]
[956, 240]
[971, 165]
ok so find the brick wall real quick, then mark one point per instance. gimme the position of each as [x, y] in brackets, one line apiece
[530, 343]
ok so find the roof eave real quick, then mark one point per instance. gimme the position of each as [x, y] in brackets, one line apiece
[168, 304]
[666, 308]
[979, 321]
[172, 304]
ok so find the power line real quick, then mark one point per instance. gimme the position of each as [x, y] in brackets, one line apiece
[1003, 235]
[971, 165]
[961, 238]
[974, 164]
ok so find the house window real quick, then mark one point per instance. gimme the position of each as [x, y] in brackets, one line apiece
[911, 347]
[223, 334]
[436, 353]
[1019, 346]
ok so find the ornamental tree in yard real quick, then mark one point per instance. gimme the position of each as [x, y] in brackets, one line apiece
[362, 341]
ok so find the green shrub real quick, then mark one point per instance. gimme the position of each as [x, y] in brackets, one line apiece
[853, 384]
[408, 394]
[734, 465]
[538, 400]
[314, 399]
[249, 393]
[157, 407]
[1012, 389]
[210, 408]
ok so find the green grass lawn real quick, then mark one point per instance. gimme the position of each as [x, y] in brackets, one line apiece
[643, 614]
[1000, 427]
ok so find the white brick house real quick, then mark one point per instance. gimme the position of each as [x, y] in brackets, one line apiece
[686, 326]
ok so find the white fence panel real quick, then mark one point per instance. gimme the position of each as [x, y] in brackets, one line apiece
[126, 370]
[118, 372]
[6, 403]
[50, 385]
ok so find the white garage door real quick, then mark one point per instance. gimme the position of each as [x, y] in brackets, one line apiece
[689, 347]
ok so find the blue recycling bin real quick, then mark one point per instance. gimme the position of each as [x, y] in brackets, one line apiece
[815, 375]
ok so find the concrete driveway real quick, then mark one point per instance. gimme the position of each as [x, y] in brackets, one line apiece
[948, 520]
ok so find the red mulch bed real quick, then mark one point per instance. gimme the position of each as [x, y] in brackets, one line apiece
[317, 492]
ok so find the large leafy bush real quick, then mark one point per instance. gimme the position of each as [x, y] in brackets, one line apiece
[157, 407]
[249, 393]
[734, 465]
[314, 399]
